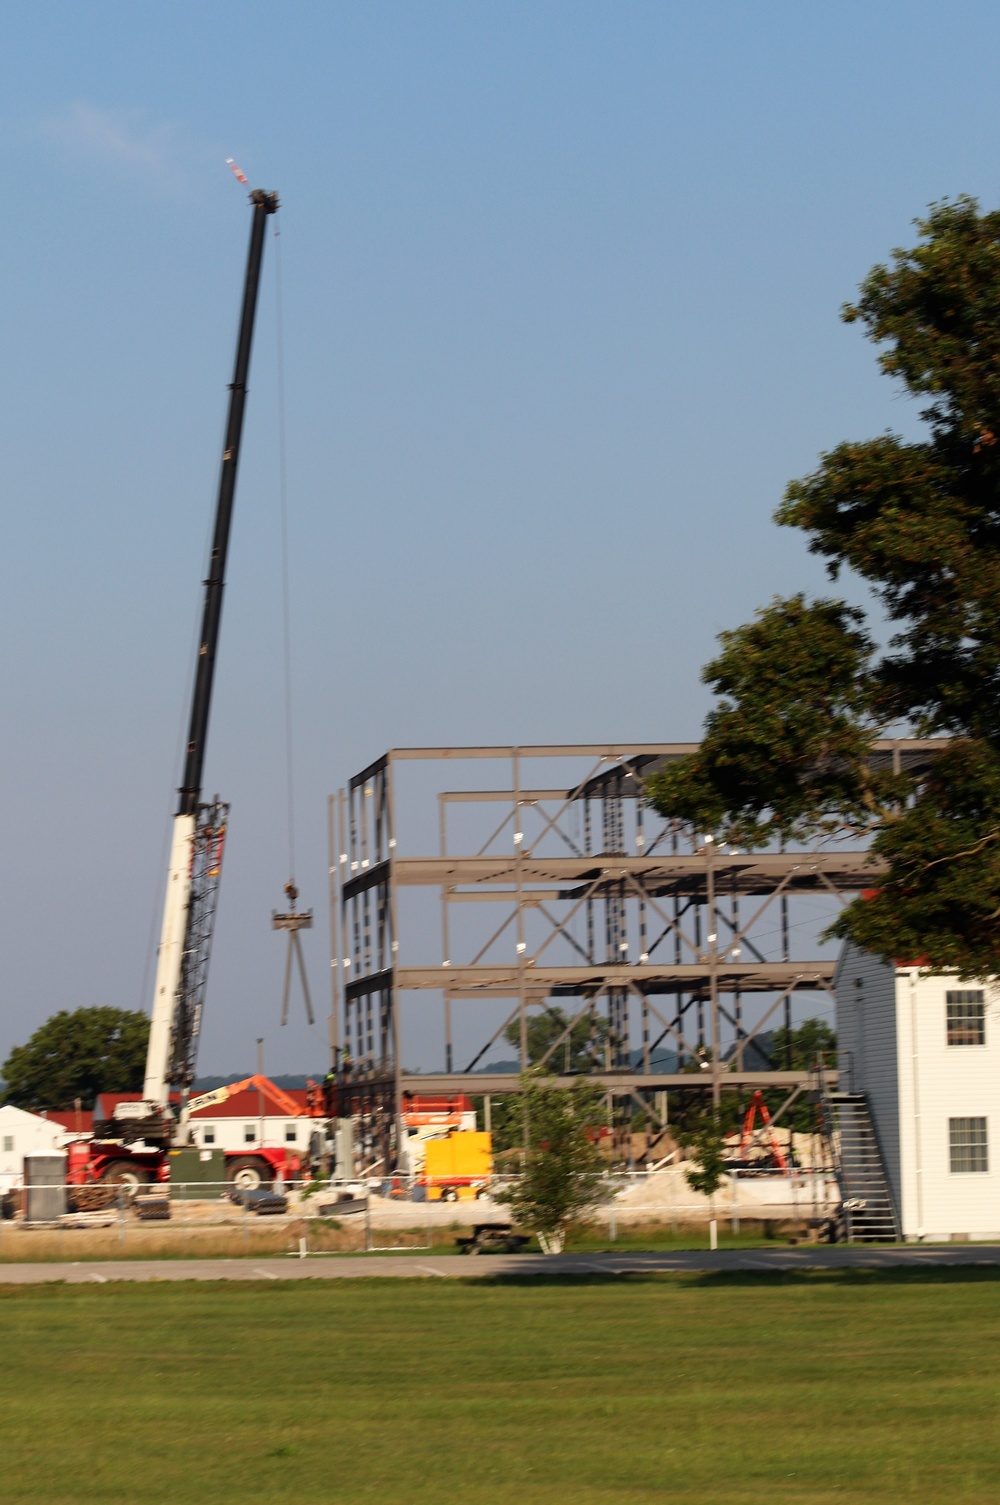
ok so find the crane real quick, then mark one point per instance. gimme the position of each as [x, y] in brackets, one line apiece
[198, 834]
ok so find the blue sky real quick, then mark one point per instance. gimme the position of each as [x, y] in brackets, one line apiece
[561, 290]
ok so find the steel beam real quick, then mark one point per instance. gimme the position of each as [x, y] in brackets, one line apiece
[476, 1083]
[475, 982]
[621, 872]
[682, 874]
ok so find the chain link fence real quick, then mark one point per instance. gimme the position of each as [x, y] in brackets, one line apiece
[216, 1219]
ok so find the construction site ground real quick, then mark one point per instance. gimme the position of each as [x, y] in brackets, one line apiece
[649, 1212]
[646, 1212]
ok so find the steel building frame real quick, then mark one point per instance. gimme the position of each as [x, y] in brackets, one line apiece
[666, 952]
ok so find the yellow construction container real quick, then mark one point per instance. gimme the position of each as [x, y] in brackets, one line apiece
[457, 1167]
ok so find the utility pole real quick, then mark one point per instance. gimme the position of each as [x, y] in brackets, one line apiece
[260, 1090]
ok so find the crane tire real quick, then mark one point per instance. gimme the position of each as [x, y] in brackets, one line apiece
[131, 1179]
[248, 1174]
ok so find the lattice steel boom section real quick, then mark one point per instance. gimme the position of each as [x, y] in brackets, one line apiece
[206, 867]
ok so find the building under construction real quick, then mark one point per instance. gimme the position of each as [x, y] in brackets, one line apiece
[472, 887]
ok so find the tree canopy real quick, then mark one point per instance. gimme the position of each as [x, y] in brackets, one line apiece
[804, 690]
[77, 1055]
[581, 1051]
[710, 1167]
[562, 1172]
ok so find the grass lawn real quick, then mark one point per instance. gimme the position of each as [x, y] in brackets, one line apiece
[734, 1389]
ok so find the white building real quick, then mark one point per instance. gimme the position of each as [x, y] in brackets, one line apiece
[925, 1050]
[244, 1120]
[251, 1118]
[23, 1133]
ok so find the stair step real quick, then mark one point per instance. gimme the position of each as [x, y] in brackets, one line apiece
[859, 1168]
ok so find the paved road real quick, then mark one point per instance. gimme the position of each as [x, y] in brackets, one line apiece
[345, 1267]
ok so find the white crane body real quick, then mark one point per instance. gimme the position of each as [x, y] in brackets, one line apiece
[169, 957]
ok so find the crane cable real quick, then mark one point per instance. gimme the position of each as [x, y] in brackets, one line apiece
[293, 921]
[285, 592]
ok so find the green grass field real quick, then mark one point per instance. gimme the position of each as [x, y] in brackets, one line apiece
[738, 1389]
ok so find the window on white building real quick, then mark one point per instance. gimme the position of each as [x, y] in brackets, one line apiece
[8, 1144]
[966, 1017]
[208, 1136]
[290, 1134]
[967, 1144]
[249, 1133]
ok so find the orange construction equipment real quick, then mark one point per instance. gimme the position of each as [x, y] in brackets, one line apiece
[757, 1102]
[422, 1111]
[281, 1099]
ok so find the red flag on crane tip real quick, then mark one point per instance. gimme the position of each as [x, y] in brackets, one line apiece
[241, 177]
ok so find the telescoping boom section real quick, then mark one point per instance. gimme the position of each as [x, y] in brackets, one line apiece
[199, 829]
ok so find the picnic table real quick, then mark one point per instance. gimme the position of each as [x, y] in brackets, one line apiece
[493, 1238]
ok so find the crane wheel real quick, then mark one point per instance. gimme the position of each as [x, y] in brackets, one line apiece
[130, 1178]
[248, 1174]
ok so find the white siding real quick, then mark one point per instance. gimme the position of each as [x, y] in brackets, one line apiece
[865, 992]
[229, 1132]
[938, 1082]
[25, 1134]
[892, 1035]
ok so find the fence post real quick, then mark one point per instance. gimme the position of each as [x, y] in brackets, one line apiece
[246, 1220]
[121, 1214]
[734, 1195]
[368, 1226]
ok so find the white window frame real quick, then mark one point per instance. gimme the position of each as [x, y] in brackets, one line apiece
[963, 1142]
[960, 998]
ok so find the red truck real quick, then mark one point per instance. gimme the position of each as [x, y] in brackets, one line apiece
[135, 1152]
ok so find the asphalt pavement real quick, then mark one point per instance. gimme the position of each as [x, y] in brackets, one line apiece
[451, 1267]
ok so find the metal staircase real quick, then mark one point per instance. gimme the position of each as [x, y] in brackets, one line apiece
[867, 1208]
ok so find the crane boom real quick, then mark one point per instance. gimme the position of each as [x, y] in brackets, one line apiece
[182, 958]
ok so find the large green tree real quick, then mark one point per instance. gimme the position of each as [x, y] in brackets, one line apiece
[77, 1055]
[804, 690]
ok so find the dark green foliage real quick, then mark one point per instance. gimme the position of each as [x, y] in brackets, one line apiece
[505, 1121]
[797, 1050]
[562, 1173]
[786, 751]
[704, 1139]
[940, 899]
[78, 1055]
[803, 691]
[581, 1051]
